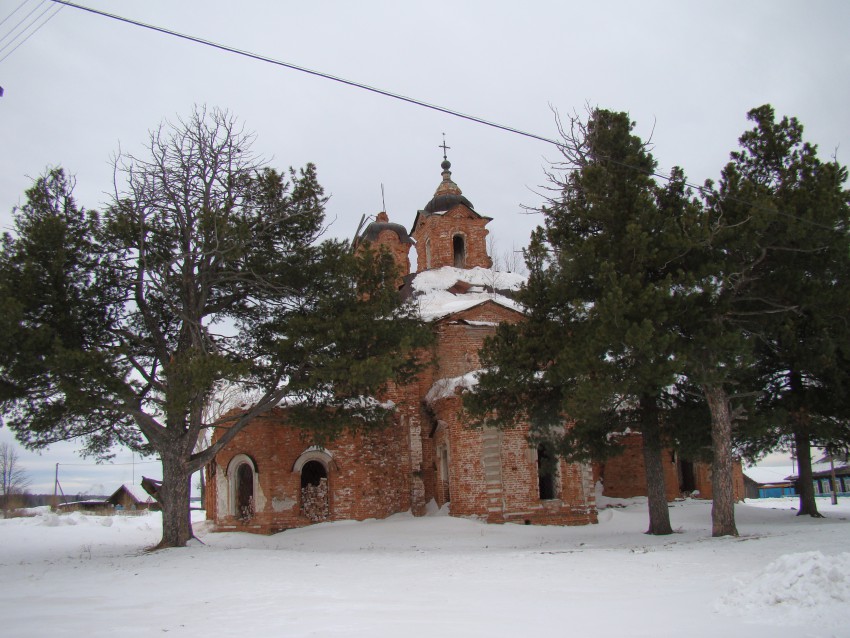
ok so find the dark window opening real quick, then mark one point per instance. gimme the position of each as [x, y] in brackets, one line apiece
[244, 492]
[688, 482]
[312, 473]
[459, 251]
[545, 473]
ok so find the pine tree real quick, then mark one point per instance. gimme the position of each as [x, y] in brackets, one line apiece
[602, 299]
[802, 349]
[206, 269]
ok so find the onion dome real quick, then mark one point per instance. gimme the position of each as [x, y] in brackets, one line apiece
[448, 194]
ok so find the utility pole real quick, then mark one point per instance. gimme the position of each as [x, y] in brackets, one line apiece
[832, 479]
[55, 503]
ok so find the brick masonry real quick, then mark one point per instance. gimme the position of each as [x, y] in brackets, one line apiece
[436, 244]
[623, 476]
[429, 452]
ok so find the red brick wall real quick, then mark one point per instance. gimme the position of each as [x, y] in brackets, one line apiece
[493, 475]
[623, 476]
[380, 473]
[458, 343]
[369, 476]
[702, 476]
[435, 233]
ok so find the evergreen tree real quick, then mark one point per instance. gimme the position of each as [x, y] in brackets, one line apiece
[206, 269]
[603, 295]
[803, 350]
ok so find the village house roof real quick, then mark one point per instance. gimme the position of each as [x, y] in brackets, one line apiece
[769, 475]
[822, 469]
[136, 493]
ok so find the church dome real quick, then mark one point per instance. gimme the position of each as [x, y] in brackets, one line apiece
[376, 228]
[448, 194]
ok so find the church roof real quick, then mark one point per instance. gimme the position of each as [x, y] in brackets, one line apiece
[447, 196]
[445, 291]
[376, 228]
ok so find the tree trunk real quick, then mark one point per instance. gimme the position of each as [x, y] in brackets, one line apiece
[805, 483]
[174, 498]
[656, 492]
[723, 493]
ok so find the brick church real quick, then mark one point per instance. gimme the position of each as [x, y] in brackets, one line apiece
[271, 478]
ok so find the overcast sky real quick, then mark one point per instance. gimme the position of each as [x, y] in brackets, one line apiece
[687, 72]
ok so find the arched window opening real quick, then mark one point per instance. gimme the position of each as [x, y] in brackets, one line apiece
[315, 502]
[459, 251]
[244, 492]
[546, 468]
[312, 474]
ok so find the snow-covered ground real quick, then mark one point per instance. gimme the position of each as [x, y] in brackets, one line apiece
[79, 575]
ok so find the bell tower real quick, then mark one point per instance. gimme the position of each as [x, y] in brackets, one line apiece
[448, 231]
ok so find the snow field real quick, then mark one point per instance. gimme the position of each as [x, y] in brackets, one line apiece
[79, 575]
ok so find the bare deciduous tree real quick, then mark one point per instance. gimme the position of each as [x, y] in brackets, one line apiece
[13, 478]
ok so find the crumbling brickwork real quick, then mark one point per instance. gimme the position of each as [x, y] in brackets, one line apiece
[367, 476]
[455, 238]
[623, 476]
[270, 477]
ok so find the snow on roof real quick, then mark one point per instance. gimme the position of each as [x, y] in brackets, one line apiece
[445, 388]
[137, 493]
[431, 290]
[766, 474]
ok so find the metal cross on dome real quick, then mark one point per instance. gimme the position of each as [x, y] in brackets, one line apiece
[444, 147]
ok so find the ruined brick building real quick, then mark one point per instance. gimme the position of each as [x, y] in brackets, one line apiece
[271, 478]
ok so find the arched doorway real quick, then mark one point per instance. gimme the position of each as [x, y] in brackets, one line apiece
[242, 486]
[244, 492]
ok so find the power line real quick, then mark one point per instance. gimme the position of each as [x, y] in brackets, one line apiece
[14, 11]
[22, 20]
[404, 98]
[37, 29]
[321, 74]
[106, 464]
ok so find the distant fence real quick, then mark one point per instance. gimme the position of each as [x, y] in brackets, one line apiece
[105, 510]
